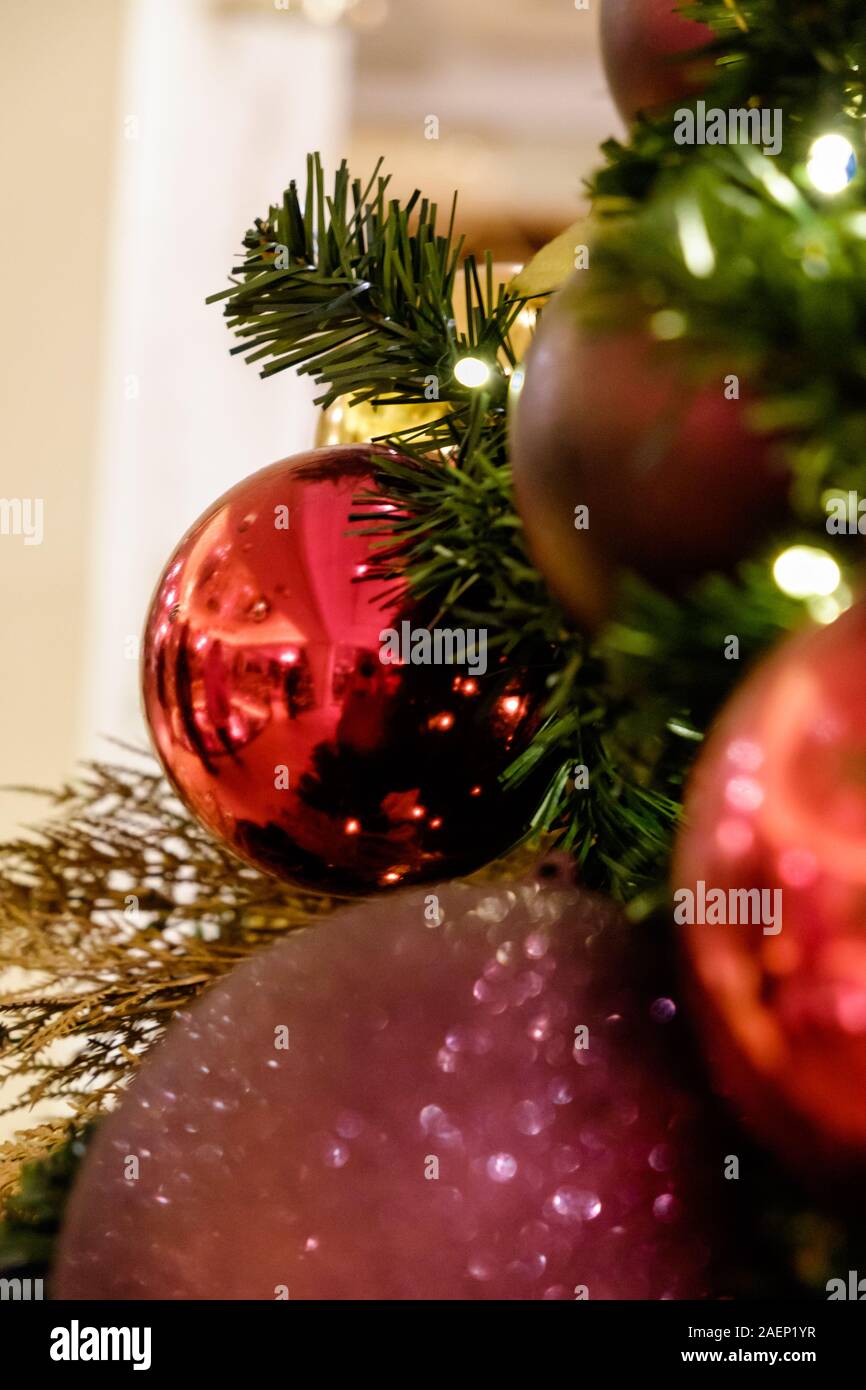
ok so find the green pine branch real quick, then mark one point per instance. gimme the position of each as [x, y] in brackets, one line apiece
[358, 290]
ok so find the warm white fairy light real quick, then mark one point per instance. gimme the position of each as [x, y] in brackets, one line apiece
[804, 571]
[697, 249]
[471, 371]
[832, 163]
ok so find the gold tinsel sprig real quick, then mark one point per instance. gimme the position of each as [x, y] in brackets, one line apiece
[120, 909]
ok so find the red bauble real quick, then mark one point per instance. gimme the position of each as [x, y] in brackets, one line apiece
[279, 721]
[778, 804]
[675, 482]
[645, 46]
[443, 1097]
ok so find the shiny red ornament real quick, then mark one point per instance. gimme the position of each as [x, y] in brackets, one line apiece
[645, 47]
[777, 811]
[446, 1096]
[674, 481]
[281, 716]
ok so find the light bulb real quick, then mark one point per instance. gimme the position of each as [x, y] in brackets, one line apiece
[803, 571]
[832, 163]
[471, 371]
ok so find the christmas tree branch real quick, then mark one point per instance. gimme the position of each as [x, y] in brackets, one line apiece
[629, 707]
[120, 909]
[358, 290]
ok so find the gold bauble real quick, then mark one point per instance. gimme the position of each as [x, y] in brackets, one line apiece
[344, 423]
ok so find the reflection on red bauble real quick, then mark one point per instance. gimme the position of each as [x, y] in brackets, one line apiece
[778, 804]
[675, 482]
[645, 46]
[280, 725]
[452, 1095]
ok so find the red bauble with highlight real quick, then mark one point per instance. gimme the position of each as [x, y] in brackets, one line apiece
[777, 810]
[278, 720]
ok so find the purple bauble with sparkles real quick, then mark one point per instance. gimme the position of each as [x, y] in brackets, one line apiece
[450, 1095]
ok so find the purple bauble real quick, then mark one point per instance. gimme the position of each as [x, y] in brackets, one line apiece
[441, 1096]
[623, 459]
[648, 49]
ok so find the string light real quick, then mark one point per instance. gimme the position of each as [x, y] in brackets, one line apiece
[695, 243]
[667, 325]
[832, 163]
[471, 371]
[805, 572]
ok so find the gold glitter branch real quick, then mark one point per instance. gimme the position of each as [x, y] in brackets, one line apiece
[120, 910]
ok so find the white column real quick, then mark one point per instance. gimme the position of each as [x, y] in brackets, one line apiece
[218, 111]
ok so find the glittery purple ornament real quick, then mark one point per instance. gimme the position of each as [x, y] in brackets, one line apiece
[448, 1095]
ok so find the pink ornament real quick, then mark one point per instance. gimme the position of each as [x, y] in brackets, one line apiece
[773, 862]
[450, 1096]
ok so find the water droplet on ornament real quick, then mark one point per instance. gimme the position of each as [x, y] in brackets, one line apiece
[746, 754]
[224, 1105]
[798, 868]
[482, 1267]
[660, 1158]
[592, 1140]
[536, 945]
[666, 1208]
[575, 1204]
[446, 1061]
[565, 1159]
[529, 1118]
[259, 610]
[494, 910]
[501, 1167]
[429, 1118]
[561, 1091]
[744, 794]
[662, 1010]
[528, 1270]
[209, 1153]
[335, 1154]
[540, 1028]
[734, 838]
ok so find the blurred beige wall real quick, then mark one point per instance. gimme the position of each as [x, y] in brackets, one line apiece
[59, 73]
